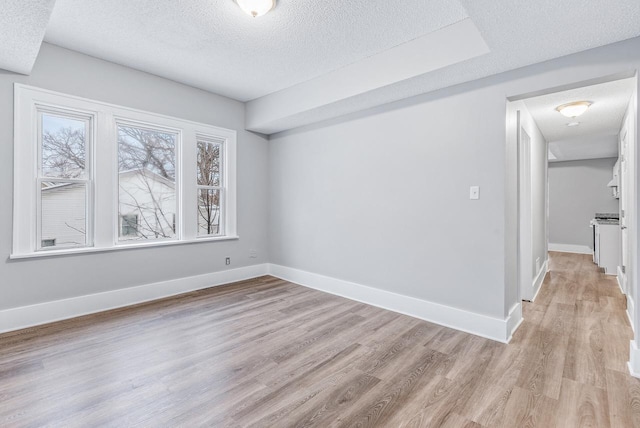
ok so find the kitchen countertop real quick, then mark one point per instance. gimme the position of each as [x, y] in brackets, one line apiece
[608, 221]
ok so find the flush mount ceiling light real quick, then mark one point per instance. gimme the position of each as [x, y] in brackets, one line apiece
[256, 8]
[574, 109]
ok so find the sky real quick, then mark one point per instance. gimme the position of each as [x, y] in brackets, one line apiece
[53, 124]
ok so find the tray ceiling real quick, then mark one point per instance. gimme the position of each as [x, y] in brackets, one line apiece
[302, 63]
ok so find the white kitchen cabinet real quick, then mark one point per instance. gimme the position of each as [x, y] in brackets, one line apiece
[607, 247]
[614, 184]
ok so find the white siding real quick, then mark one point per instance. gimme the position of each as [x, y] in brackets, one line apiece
[64, 215]
[152, 199]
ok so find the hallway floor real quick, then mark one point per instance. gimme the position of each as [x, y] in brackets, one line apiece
[575, 339]
[268, 353]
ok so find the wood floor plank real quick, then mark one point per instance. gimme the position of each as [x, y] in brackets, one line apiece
[544, 363]
[583, 405]
[265, 352]
[623, 394]
[394, 395]
[524, 409]
[586, 361]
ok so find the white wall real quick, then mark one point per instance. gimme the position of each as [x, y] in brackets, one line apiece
[381, 197]
[26, 282]
[577, 190]
[383, 200]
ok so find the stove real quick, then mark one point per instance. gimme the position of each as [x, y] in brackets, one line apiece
[601, 219]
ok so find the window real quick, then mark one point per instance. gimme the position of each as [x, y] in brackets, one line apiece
[129, 225]
[110, 177]
[48, 242]
[64, 178]
[147, 181]
[210, 187]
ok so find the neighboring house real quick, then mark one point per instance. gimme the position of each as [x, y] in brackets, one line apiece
[63, 215]
[147, 210]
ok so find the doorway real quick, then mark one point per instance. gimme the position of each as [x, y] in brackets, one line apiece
[569, 169]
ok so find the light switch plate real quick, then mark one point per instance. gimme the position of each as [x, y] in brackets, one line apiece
[474, 192]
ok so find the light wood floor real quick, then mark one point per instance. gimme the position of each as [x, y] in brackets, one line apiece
[269, 353]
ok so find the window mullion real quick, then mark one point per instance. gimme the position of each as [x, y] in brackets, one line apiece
[189, 177]
[105, 183]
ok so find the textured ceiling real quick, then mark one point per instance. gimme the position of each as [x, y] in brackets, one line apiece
[518, 32]
[22, 26]
[588, 147]
[213, 45]
[604, 117]
[450, 45]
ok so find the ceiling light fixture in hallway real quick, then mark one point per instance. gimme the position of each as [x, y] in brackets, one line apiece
[256, 8]
[574, 109]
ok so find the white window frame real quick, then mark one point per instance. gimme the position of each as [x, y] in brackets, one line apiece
[103, 222]
[89, 119]
[125, 121]
[210, 139]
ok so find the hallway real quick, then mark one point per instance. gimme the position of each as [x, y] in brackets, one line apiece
[576, 341]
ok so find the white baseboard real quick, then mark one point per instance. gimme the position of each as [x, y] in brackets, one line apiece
[497, 329]
[634, 359]
[514, 320]
[43, 313]
[459, 319]
[570, 248]
[630, 308]
[537, 283]
[630, 302]
[620, 275]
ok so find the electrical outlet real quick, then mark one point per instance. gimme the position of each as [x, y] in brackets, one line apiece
[474, 192]
[227, 261]
[253, 254]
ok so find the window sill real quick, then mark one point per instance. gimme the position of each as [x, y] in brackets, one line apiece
[119, 247]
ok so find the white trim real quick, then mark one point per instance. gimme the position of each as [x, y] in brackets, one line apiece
[634, 359]
[120, 247]
[514, 320]
[630, 302]
[481, 325]
[537, 282]
[43, 313]
[525, 206]
[119, 107]
[570, 248]
[500, 330]
[630, 311]
[618, 276]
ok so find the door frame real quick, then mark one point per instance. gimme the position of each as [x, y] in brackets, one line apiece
[525, 226]
[623, 177]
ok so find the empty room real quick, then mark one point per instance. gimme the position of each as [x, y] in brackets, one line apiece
[298, 213]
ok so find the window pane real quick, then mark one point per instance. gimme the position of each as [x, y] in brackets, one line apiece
[146, 161]
[208, 212]
[209, 163]
[64, 215]
[129, 225]
[63, 146]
